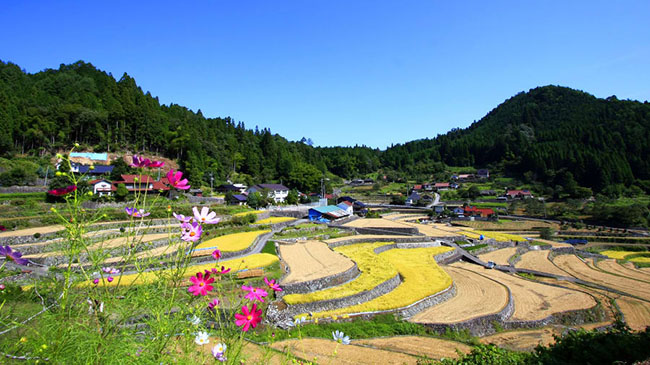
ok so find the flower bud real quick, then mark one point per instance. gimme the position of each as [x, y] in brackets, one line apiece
[76, 145]
[58, 173]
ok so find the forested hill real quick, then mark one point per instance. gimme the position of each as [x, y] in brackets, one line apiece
[550, 134]
[53, 109]
[545, 133]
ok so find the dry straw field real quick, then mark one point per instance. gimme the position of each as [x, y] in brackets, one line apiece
[538, 260]
[500, 257]
[309, 260]
[534, 300]
[330, 352]
[476, 296]
[627, 270]
[433, 348]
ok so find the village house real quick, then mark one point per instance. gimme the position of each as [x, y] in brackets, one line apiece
[238, 199]
[142, 183]
[326, 214]
[518, 194]
[471, 211]
[413, 199]
[102, 187]
[442, 186]
[277, 192]
[483, 174]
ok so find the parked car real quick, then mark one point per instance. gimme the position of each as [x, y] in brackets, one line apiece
[491, 264]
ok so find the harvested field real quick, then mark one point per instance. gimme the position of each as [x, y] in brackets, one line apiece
[534, 300]
[579, 269]
[636, 312]
[614, 267]
[499, 256]
[538, 260]
[309, 260]
[523, 340]
[309, 348]
[228, 243]
[31, 231]
[374, 268]
[375, 223]
[361, 237]
[433, 231]
[250, 354]
[108, 244]
[553, 243]
[421, 275]
[433, 348]
[476, 296]
[504, 225]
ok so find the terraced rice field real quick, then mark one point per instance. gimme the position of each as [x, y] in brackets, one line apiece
[362, 237]
[538, 260]
[309, 260]
[433, 348]
[330, 352]
[636, 312]
[534, 300]
[500, 256]
[613, 267]
[228, 243]
[254, 261]
[553, 243]
[476, 296]
[421, 275]
[433, 230]
[375, 223]
[501, 237]
[108, 244]
[374, 271]
[275, 220]
[579, 269]
[523, 340]
[31, 231]
[507, 225]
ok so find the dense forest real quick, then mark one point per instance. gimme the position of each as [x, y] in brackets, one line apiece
[551, 134]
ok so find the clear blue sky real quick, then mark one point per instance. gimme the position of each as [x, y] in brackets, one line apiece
[342, 72]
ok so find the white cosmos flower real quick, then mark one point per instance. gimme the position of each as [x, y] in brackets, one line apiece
[202, 338]
[340, 337]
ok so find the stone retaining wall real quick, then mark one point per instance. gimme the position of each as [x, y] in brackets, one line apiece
[320, 283]
[389, 231]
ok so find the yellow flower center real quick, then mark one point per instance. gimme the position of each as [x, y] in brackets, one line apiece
[203, 219]
[201, 284]
[192, 234]
[249, 317]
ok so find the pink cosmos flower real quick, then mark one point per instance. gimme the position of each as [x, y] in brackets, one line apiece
[213, 304]
[140, 162]
[206, 216]
[2, 287]
[216, 254]
[156, 164]
[111, 270]
[109, 279]
[175, 180]
[96, 281]
[182, 218]
[14, 256]
[201, 284]
[272, 284]
[254, 293]
[248, 318]
[63, 191]
[218, 272]
[191, 232]
[2, 228]
[137, 213]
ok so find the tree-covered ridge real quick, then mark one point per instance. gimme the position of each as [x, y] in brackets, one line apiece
[546, 133]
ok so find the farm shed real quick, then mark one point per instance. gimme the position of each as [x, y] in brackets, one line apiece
[326, 213]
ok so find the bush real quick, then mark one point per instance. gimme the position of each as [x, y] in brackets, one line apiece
[37, 235]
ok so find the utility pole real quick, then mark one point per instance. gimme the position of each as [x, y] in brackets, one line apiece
[211, 180]
[47, 172]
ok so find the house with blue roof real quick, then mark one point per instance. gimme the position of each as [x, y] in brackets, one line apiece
[327, 213]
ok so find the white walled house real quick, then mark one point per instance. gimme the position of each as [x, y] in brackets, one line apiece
[278, 192]
[102, 187]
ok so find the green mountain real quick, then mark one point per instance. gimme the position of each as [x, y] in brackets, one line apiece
[549, 133]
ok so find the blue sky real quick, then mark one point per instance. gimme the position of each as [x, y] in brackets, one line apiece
[342, 72]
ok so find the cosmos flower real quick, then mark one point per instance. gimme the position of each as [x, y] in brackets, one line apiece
[137, 213]
[340, 337]
[254, 293]
[202, 338]
[219, 352]
[2, 228]
[111, 270]
[248, 318]
[201, 284]
[14, 256]
[156, 164]
[205, 216]
[213, 304]
[216, 254]
[63, 191]
[272, 284]
[175, 181]
[182, 218]
[191, 232]
[195, 320]
[218, 272]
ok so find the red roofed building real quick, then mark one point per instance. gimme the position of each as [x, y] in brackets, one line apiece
[142, 183]
[471, 211]
[441, 186]
[102, 187]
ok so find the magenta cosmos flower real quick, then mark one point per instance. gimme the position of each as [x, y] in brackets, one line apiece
[11, 255]
[205, 216]
[63, 191]
[218, 272]
[213, 304]
[137, 213]
[140, 162]
[201, 284]
[2, 228]
[175, 180]
[216, 254]
[248, 318]
[191, 232]
[182, 218]
[254, 293]
[156, 164]
[272, 284]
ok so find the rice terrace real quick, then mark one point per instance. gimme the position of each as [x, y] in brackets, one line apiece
[325, 182]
